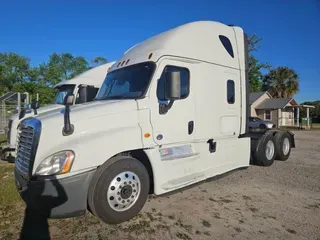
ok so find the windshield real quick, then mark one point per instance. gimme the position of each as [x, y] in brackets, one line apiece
[127, 83]
[63, 90]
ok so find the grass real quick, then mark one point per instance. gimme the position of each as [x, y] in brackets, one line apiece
[2, 137]
[11, 205]
[8, 192]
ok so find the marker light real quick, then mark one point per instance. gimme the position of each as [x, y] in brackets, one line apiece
[147, 135]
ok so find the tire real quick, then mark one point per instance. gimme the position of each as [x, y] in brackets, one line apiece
[11, 159]
[264, 151]
[2, 155]
[282, 146]
[120, 180]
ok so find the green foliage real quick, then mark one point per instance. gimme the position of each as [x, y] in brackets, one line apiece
[8, 192]
[98, 61]
[46, 94]
[17, 75]
[13, 69]
[313, 111]
[2, 137]
[60, 67]
[255, 66]
[281, 82]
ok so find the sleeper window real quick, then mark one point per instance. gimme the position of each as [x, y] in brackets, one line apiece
[227, 45]
[185, 82]
[230, 92]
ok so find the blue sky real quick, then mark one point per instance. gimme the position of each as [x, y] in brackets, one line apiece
[289, 28]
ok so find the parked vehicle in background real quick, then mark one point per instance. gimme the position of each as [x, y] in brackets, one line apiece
[255, 122]
[173, 111]
[84, 87]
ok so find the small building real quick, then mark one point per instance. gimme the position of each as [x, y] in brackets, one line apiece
[279, 111]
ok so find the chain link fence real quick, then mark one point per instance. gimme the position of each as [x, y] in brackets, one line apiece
[298, 123]
[11, 103]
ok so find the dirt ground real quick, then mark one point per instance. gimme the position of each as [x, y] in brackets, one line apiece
[277, 202]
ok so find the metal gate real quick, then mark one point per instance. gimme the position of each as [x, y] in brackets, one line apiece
[11, 103]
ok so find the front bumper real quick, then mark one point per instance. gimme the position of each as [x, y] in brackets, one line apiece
[56, 198]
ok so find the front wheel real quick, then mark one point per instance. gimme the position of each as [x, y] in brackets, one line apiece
[119, 189]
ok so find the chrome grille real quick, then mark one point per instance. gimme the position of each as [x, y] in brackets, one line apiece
[27, 143]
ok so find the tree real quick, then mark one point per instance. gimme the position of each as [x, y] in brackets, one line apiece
[97, 61]
[255, 66]
[281, 82]
[313, 111]
[13, 69]
[17, 75]
[46, 94]
[61, 67]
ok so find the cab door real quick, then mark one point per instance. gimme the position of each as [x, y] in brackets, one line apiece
[177, 125]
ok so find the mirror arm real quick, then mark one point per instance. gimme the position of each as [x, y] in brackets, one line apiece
[68, 128]
[35, 105]
[164, 108]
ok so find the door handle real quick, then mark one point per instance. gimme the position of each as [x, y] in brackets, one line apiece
[190, 127]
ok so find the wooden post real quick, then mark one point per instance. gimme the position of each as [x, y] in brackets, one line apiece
[308, 124]
[298, 116]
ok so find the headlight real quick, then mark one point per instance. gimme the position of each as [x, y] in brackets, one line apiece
[57, 163]
[270, 125]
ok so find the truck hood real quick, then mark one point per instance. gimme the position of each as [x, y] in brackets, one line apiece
[49, 108]
[103, 124]
[90, 110]
[30, 112]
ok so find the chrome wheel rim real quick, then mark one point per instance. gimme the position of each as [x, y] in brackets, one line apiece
[286, 146]
[123, 191]
[269, 150]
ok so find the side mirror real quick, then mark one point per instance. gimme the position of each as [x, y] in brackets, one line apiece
[35, 105]
[22, 114]
[68, 100]
[83, 93]
[172, 90]
[172, 86]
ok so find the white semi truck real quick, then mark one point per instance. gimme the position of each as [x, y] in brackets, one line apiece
[173, 111]
[84, 86]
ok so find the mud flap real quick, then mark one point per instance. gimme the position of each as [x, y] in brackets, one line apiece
[293, 144]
